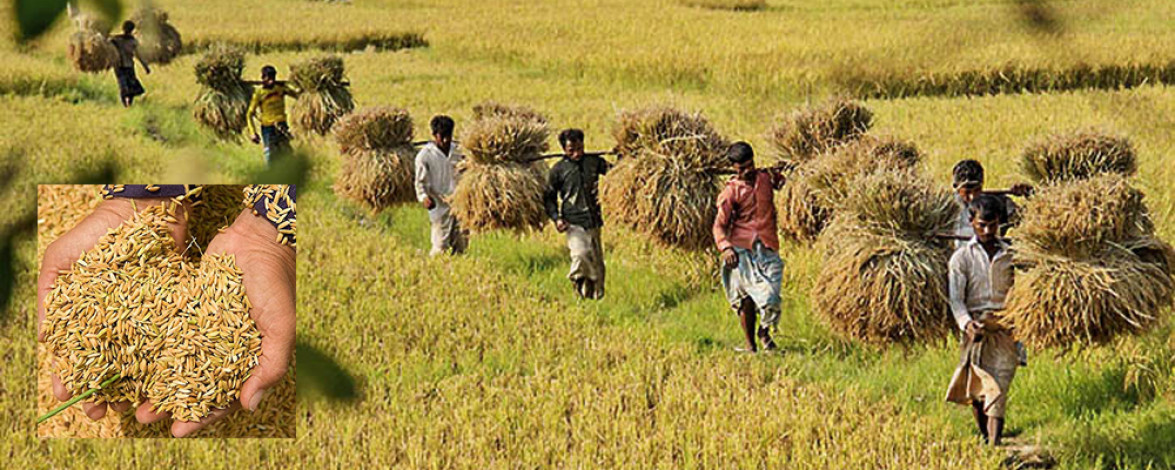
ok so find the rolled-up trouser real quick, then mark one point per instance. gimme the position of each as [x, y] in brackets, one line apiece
[447, 236]
[276, 140]
[587, 258]
[758, 277]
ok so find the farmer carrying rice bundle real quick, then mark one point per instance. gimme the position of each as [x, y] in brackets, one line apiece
[270, 101]
[575, 182]
[129, 86]
[746, 234]
[436, 180]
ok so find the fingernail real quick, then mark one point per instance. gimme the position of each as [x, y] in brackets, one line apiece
[256, 400]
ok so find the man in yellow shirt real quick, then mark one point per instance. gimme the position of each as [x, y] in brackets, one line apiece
[270, 100]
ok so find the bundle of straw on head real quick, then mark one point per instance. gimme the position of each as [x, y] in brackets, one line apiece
[224, 97]
[884, 277]
[324, 98]
[501, 188]
[159, 41]
[376, 145]
[91, 51]
[1093, 266]
[815, 187]
[1078, 155]
[805, 133]
[664, 184]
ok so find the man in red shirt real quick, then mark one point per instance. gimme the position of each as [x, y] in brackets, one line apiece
[746, 234]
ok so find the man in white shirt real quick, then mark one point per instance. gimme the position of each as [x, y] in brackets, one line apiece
[980, 277]
[436, 179]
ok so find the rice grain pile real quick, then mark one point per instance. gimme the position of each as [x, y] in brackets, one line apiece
[805, 204]
[500, 187]
[664, 184]
[224, 96]
[178, 334]
[216, 209]
[90, 50]
[378, 158]
[60, 208]
[1092, 266]
[805, 133]
[159, 41]
[1079, 154]
[324, 97]
[884, 277]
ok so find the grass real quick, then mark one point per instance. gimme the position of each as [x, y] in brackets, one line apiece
[510, 370]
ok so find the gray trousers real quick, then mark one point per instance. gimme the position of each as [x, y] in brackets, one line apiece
[587, 260]
[447, 236]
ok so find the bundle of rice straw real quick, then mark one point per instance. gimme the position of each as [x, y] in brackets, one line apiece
[805, 133]
[664, 184]
[159, 41]
[884, 277]
[376, 145]
[224, 96]
[1078, 154]
[492, 108]
[1093, 268]
[90, 50]
[500, 187]
[324, 97]
[806, 202]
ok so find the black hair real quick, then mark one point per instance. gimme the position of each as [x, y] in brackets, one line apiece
[740, 152]
[269, 71]
[967, 171]
[570, 135]
[988, 207]
[442, 125]
[128, 26]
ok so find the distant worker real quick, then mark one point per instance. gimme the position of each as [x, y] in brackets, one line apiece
[968, 183]
[270, 100]
[129, 85]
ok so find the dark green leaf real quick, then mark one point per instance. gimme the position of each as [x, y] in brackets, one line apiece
[320, 374]
[36, 16]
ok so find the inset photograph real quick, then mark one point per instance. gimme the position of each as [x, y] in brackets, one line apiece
[166, 310]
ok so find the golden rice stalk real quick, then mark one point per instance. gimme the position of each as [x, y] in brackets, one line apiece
[884, 278]
[1078, 154]
[376, 147]
[324, 98]
[501, 196]
[502, 187]
[159, 41]
[1093, 268]
[91, 51]
[502, 139]
[224, 97]
[815, 187]
[664, 185]
[805, 133]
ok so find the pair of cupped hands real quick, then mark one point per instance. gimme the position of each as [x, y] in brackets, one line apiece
[268, 268]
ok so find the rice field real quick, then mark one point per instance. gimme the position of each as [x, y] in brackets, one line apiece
[489, 361]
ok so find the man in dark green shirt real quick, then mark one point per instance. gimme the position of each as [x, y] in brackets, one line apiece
[575, 182]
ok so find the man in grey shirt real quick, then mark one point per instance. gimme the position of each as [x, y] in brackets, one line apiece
[436, 179]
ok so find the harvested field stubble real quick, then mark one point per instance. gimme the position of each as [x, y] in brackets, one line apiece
[664, 184]
[884, 278]
[1093, 267]
[178, 334]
